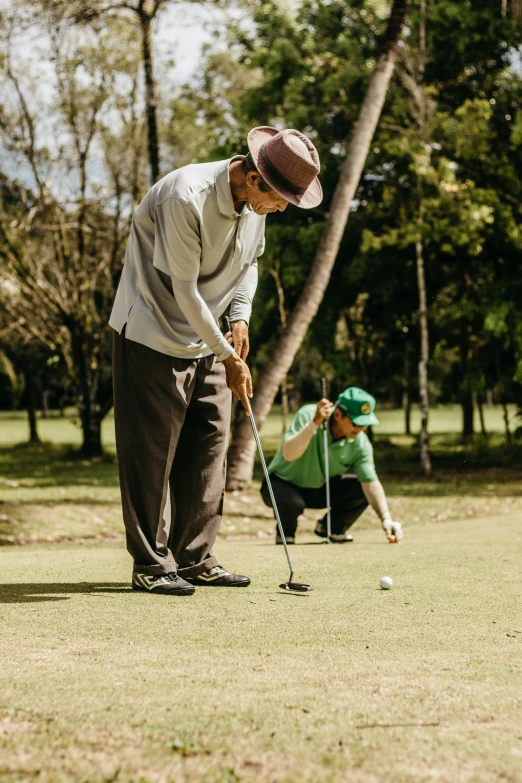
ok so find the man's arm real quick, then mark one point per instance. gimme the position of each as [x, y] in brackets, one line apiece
[196, 311]
[241, 305]
[200, 318]
[177, 252]
[241, 310]
[374, 492]
[296, 445]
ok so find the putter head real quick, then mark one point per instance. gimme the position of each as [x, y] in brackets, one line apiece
[296, 587]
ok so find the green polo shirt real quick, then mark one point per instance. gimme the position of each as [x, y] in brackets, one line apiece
[344, 456]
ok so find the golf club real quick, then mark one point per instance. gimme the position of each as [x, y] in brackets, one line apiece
[298, 587]
[326, 468]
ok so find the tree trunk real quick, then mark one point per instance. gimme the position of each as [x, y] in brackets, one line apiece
[282, 315]
[419, 254]
[516, 9]
[284, 405]
[242, 451]
[506, 423]
[406, 407]
[468, 429]
[92, 443]
[33, 429]
[481, 416]
[406, 397]
[45, 404]
[423, 364]
[91, 415]
[150, 97]
[466, 393]
[31, 397]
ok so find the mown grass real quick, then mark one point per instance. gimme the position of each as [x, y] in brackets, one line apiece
[345, 684]
[48, 494]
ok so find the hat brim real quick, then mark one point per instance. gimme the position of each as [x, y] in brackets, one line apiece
[365, 421]
[312, 196]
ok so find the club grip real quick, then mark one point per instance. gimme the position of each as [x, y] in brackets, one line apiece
[226, 324]
[323, 387]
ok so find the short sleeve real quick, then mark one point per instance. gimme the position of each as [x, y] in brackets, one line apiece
[260, 249]
[303, 417]
[177, 245]
[364, 465]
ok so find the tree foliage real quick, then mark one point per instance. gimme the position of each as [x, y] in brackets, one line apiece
[76, 159]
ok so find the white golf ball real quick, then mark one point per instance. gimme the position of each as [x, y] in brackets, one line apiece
[386, 583]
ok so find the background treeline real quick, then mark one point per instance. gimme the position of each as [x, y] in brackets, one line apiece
[91, 118]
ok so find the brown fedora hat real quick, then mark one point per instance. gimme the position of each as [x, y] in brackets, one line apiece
[289, 163]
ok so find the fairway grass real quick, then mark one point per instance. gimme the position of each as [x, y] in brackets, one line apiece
[443, 419]
[48, 494]
[347, 683]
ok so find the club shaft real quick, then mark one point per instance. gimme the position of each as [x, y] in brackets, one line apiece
[227, 328]
[327, 480]
[326, 466]
[271, 491]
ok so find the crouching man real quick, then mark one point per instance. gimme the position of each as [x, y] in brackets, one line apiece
[297, 471]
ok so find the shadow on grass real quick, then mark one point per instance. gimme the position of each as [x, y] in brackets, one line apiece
[59, 591]
[459, 465]
[47, 464]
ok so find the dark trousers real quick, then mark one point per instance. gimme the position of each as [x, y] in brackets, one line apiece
[347, 499]
[172, 419]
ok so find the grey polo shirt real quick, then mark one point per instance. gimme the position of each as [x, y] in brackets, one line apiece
[186, 229]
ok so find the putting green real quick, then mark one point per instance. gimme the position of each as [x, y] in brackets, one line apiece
[347, 683]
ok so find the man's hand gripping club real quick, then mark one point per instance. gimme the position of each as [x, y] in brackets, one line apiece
[239, 380]
[322, 411]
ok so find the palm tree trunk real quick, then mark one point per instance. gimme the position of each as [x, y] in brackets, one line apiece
[419, 253]
[242, 451]
[150, 97]
[423, 363]
[282, 315]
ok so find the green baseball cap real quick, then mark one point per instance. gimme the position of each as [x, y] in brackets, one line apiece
[358, 405]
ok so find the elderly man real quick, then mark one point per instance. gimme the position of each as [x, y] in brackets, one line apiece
[192, 253]
[297, 472]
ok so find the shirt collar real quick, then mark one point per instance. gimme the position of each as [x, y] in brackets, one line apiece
[224, 193]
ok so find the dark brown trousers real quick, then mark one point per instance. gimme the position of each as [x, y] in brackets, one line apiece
[172, 419]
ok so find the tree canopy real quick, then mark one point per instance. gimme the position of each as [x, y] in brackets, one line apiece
[76, 157]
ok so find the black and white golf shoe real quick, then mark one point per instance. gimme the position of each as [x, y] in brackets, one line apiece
[335, 538]
[162, 584]
[219, 577]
